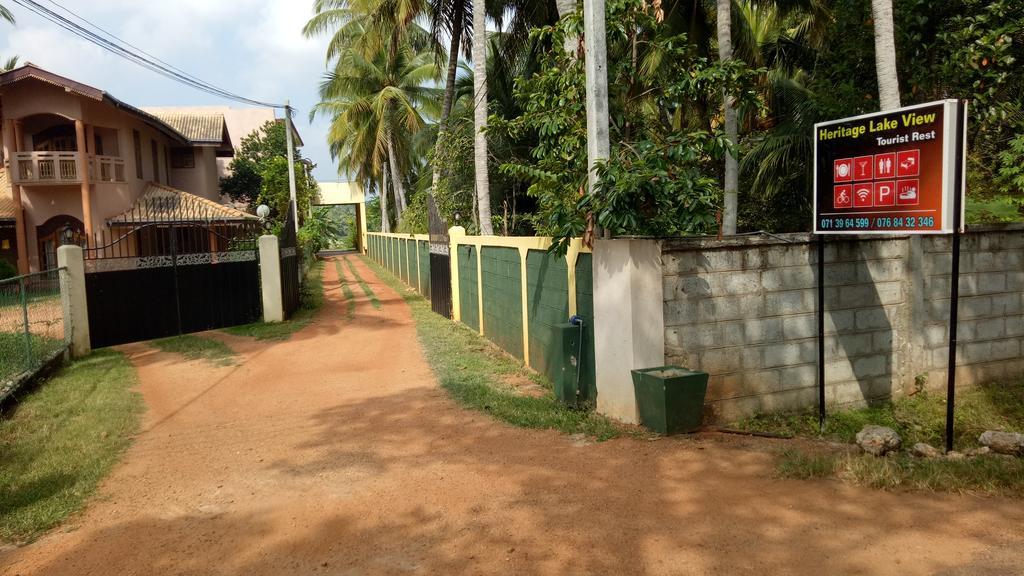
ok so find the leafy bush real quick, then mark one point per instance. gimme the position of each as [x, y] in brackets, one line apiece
[7, 270]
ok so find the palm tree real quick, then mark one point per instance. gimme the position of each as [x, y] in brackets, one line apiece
[377, 105]
[5, 14]
[724, 18]
[885, 55]
[483, 193]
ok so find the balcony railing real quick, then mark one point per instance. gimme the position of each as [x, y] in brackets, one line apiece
[38, 168]
[106, 168]
[46, 168]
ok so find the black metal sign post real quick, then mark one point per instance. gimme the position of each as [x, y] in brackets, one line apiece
[821, 333]
[954, 282]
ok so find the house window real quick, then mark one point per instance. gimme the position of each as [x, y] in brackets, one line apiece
[183, 158]
[137, 141]
[156, 161]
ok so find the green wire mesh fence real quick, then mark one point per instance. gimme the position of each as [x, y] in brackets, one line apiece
[32, 330]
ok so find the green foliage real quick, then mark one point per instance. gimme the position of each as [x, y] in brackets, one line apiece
[320, 231]
[62, 440]
[661, 178]
[7, 270]
[259, 174]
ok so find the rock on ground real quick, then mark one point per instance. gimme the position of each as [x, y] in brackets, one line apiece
[923, 450]
[1010, 443]
[878, 440]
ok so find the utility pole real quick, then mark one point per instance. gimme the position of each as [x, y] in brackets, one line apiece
[596, 67]
[291, 163]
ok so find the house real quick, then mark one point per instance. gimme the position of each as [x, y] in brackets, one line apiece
[75, 157]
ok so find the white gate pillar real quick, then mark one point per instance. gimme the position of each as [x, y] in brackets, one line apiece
[73, 300]
[270, 279]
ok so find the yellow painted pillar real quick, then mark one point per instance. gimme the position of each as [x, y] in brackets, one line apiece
[571, 258]
[523, 253]
[480, 283]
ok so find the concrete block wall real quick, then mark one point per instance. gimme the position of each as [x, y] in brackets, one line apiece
[990, 330]
[743, 310]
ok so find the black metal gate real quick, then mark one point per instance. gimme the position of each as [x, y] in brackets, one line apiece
[161, 278]
[289, 266]
[440, 263]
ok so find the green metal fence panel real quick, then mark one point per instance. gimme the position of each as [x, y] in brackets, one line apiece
[32, 330]
[423, 254]
[585, 310]
[502, 298]
[468, 298]
[547, 299]
[411, 259]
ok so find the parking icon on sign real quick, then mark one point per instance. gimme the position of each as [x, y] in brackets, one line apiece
[885, 193]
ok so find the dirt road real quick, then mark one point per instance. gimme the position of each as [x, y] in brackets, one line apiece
[336, 453]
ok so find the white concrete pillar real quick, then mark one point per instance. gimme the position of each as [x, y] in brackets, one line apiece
[73, 299]
[270, 279]
[629, 320]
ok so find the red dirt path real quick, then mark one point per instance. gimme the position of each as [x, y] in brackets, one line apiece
[336, 453]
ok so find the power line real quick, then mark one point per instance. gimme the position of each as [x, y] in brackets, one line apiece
[119, 47]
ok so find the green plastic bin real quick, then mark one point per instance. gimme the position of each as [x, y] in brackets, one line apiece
[670, 399]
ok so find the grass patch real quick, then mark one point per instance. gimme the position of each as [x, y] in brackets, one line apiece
[311, 298]
[919, 418]
[471, 369]
[362, 283]
[60, 440]
[796, 464]
[350, 298]
[13, 359]
[197, 348]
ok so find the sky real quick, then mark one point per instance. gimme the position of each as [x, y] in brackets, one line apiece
[250, 47]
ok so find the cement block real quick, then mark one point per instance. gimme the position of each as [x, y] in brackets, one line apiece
[988, 329]
[789, 278]
[789, 302]
[871, 366]
[801, 326]
[790, 353]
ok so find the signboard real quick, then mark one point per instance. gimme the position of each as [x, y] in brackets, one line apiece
[888, 172]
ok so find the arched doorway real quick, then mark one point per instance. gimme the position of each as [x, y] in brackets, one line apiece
[49, 235]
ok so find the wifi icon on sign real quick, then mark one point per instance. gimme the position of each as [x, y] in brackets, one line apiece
[863, 197]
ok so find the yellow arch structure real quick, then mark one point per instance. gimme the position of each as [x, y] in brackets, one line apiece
[344, 194]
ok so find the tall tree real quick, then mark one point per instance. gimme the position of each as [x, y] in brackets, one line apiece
[724, 17]
[449, 16]
[483, 193]
[885, 54]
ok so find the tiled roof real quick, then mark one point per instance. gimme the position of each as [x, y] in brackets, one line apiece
[7, 211]
[201, 128]
[159, 203]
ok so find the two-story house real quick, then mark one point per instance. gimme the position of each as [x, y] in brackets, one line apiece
[76, 157]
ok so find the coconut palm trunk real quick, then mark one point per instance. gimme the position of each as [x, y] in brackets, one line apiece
[885, 55]
[385, 224]
[566, 7]
[483, 192]
[724, 19]
[449, 93]
[396, 181]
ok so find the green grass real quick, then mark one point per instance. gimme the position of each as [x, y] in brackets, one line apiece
[197, 348]
[12, 354]
[61, 440]
[362, 283]
[920, 418]
[350, 298]
[474, 372]
[310, 300]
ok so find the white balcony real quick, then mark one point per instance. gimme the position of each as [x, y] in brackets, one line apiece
[50, 168]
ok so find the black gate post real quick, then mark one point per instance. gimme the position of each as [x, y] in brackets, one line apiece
[174, 270]
[954, 288]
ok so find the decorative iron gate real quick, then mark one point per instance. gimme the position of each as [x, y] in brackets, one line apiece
[440, 263]
[289, 266]
[148, 277]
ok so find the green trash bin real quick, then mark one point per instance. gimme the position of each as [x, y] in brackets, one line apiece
[670, 399]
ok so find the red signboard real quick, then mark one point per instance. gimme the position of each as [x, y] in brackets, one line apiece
[889, 172]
